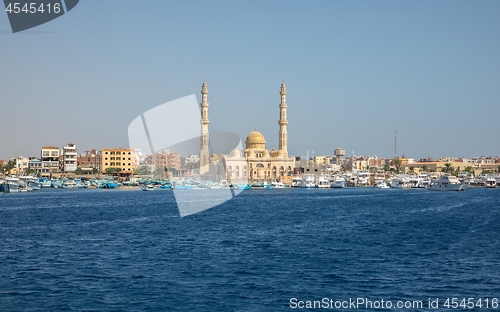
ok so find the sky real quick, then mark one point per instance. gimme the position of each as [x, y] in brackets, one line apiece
[354, 71]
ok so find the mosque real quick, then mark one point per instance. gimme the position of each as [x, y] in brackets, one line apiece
[255, 162]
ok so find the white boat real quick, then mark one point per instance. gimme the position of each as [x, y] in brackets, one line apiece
[490, 182]
[338, 182]
[277, 184]
[46, 183]
[322, 182]
[296, 181]
[447, 183]
[363, 177]
[381, 184]
[379, 177]
[400, 181]
[423, 180]
[307, 181]
[149, 187]
[11, 185]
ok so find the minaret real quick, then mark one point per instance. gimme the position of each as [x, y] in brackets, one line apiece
[283, 136]
[204, 141]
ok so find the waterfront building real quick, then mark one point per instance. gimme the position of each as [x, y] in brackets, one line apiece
[174, 160]
[35, 164]
[155, 161]
[89, 161]
[50, 160]
[69, 161]
[119, 158]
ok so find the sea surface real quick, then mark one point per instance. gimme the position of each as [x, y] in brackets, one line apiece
[264, 250]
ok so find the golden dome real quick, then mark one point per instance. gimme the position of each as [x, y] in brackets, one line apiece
[255, 140]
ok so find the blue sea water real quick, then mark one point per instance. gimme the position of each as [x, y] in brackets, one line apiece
[128, 250]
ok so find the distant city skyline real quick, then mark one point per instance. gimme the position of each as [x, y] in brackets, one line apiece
[354, 72]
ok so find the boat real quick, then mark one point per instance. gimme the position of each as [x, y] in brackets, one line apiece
[446, 183]
[45, 183]
[242, 186]
[490, 182]
[381, 184]
[338, 182]
[423, 180]
[307, 181]
[11, 185]
[363, 178]
[322, 182]
[277, 184]
[69, 184]
[149, 187]
[296, 181]
[400, 181]
[183, 187]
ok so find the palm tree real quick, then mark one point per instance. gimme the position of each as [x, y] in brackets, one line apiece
[9, 166]
[424, 168]
[397, 164]
[469, 170]
[448, 168]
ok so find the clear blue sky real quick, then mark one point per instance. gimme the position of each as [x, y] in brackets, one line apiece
[354, 70]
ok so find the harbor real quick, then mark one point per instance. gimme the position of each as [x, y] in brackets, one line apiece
[347, 179]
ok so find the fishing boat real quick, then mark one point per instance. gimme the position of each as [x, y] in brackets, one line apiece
[45, 183]
[11, 185]
[149, 187]
[447, 183]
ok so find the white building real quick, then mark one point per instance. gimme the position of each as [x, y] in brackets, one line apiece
[69, 158]
[192, 158]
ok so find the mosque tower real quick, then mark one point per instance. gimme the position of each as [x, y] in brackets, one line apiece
[204, 140]
[283, 136]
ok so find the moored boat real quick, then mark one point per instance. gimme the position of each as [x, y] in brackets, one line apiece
[338, 182]
[11, 185]
[307, 181]
[149, 187]
[322, 182]
[446, 183]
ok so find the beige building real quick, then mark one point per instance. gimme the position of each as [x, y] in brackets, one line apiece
[438, 166]
[121, 158]
[50, 160]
